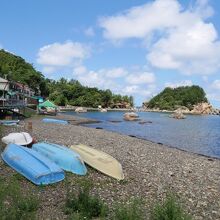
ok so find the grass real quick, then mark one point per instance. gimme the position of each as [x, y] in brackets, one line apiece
[170, 209]
[13, 204]
[84, 205]
[132, 211]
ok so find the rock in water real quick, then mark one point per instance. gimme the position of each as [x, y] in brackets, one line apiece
[131, 116]
[178, 115]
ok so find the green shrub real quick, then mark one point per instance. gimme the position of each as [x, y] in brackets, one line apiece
[170, 209]
[131, 211]
[84, 206]
[13, 204]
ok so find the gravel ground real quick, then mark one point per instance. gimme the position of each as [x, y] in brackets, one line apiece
[151, 170]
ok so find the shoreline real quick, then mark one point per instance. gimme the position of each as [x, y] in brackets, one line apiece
[150, 170]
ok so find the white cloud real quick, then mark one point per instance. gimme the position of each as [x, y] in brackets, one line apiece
[216, 84]
[115, 72]
[178, 84]
[79, 70]
[141, 78]
[188, 49]
[180, 39]
[213, 96]
[119, 80]
[89, 32]
[140, 21]
[57, 55]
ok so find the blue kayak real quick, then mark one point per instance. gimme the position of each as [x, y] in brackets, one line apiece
[9, 122]
[35, 167]
[64, 157]
[55, 121]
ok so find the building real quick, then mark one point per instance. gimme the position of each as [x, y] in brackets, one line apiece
[14, 93]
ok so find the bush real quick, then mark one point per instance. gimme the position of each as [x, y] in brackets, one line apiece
[170, 209]
[84, 206]
[15, 206]
[132, 211]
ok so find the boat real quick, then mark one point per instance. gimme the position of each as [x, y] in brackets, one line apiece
[99, 160]
[32, 165]
[22, 138]
[55, 121]
[9, 122]
[64, 157]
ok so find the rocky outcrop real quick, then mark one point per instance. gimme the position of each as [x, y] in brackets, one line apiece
[204, 108]
[178, 115]
[80, 110]
[103, 110]
[130, 116]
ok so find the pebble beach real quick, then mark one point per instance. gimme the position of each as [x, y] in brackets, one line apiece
[151, 171]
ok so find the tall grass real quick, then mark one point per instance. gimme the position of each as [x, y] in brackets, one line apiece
[84, 205]
[170, 209]
[13, 204]
[132, 211]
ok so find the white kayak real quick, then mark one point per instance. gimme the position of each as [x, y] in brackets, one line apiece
[100, 160]
[22, 138]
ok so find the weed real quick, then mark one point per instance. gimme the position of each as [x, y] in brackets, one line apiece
[13, 205]
[85, 206]
[131, 211]
[170, 209]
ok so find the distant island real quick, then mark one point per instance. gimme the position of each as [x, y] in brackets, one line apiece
[188, 99]
[63, 92]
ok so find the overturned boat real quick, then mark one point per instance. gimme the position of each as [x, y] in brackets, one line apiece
[55, 121]
[32, 165]
[62, 156]
[100, 160]
[21, 138]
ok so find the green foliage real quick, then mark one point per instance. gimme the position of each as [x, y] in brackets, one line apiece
[17, 69]
[72, 92]
[84, 206]
[62, 92]
[131, 211]
[169, 210]
[13, 204]
[171, 99]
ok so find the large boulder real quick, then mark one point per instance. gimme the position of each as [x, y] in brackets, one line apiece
[178, 114]
[130, 116]
[80, 110]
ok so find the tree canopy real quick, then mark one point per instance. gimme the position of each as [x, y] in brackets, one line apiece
[61, 91]
[17, 69]
[172, 98]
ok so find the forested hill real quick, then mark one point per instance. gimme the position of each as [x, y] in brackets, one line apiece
[17, 69]
[62, 91]
[172, 98]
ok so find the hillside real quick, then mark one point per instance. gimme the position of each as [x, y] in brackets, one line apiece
[17, 69]
[172, 98]
[62, 91]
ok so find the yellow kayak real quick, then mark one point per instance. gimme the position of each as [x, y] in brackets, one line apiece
[99, 160]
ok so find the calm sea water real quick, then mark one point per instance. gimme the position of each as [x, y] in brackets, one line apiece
[198, 134]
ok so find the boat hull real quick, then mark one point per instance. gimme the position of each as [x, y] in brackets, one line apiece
[99, 160]
[62, 156]
[55, 121]
[32, 165]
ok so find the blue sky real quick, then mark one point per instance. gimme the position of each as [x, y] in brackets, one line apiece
[133, 47]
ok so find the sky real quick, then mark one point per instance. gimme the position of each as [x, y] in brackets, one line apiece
[135, 47]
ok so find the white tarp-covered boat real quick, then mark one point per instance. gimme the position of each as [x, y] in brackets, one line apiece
[22, 138]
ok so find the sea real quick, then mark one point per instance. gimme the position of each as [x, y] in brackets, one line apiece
[197, 134]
